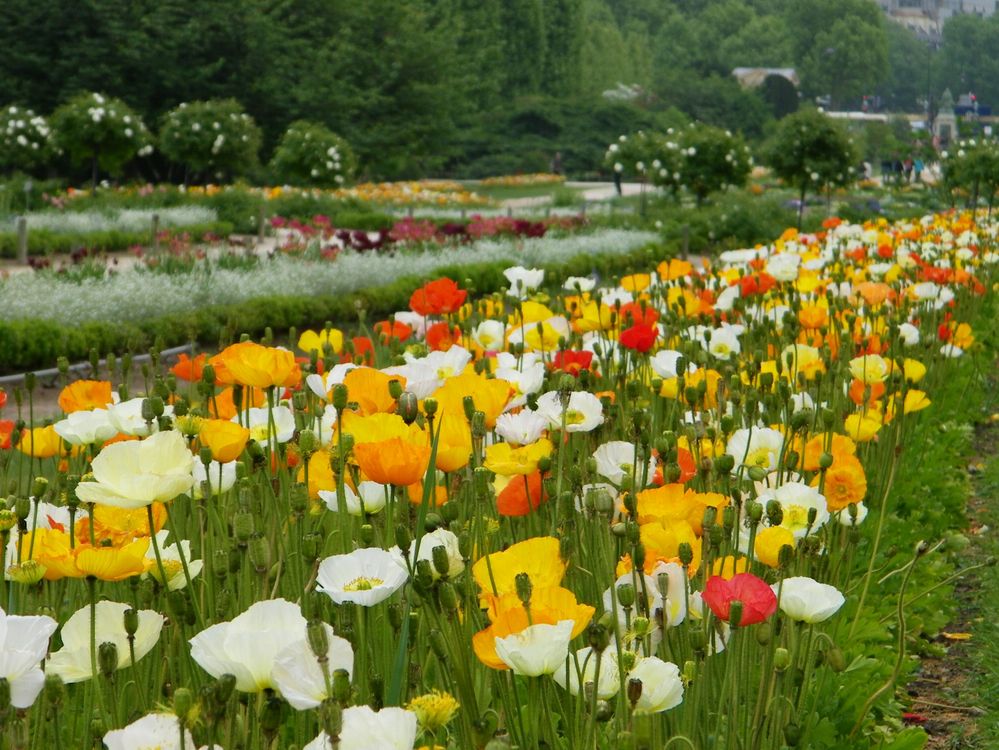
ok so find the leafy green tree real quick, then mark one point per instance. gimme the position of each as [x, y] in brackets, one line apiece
[26, 139]
[973, 166]
[101, 130]
[563, 21]
[811, 151]
[968, 58]
[525, 48]
[311, 154]
[211, 136]
[713, 160]
[848, 60]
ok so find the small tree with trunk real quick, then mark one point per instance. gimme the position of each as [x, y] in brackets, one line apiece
[811, 152]
[100, 130]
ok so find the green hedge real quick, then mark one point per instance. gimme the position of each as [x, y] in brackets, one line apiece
[46, 242]
[36, 344]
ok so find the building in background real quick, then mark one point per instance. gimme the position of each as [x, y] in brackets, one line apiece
[926, 18]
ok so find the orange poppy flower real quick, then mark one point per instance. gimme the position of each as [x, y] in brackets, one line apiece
[519, 495]
[369, 389]
[439, 297]
[6, 430]
[256, 366]
[226, 440]
[223, 406]
[393, 461]
[84, 395]
[189, 369]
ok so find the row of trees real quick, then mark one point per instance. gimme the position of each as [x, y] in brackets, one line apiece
[208, 139]
[459, 86]
[810, 152]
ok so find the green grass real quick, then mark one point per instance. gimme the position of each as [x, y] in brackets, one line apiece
[509, 192]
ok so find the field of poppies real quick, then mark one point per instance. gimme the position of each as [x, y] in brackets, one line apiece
[646, 512]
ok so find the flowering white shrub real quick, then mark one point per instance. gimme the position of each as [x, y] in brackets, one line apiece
[99, 129]
[26, 139]
[214, 136]
[310, 154]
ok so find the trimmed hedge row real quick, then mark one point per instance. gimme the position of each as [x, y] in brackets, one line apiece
[36, 344]
[43, 242]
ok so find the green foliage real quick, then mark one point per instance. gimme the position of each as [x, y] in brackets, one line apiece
[100, 129]
[26, 140]
[210, 137]
[973, 166]
[311, 154]
[811, 151]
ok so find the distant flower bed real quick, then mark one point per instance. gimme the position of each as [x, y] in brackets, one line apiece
[182, 284]
[125, 220]
[523, 180]
[296, 236]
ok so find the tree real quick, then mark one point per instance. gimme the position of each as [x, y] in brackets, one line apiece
[213, 136]
[310, 154]
[973, 166]
[26, 139]
[968, 58]
[848, 60]
[811, 151]
[102, 130]
[713, 159]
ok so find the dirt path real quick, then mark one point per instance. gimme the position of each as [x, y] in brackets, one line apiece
[945, 695]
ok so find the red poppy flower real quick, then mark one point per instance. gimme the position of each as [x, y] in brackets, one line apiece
[572, 361]
[633, 314]
[392, 330]
[639, 337]
[757, 598]
[759, 283]
[440, 297]
[363, 347]
[6, 430]
[441, 338]
[885, 251]
[522, 495]
[3, 398]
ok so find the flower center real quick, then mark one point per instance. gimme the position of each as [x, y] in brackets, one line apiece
[363, 584]
[574, 416]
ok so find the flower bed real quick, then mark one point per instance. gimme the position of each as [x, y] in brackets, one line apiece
[646, 511]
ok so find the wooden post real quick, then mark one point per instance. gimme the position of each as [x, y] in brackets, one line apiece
[548, 211]
[509, 212]
[22, 240]
[685, 248]
[261, 227]
[156, 234]
[462, 214]
[582, 211]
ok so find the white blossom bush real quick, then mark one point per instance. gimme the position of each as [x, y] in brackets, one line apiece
[101, 130]
[311, 154]
[138, 294]
[214, 138]
[26, 138]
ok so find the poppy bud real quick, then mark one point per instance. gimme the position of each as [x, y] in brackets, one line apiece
[242, 525]
[312, 544]
[307, 442]
[131, 621]
[424, 575]
[55, 689]
[524, 588]
[835, 659]
[107, 658]
[438, 645]
[735, 614]
[441, 562]
[339, 397]
[626, 595]
[271, 715]
[724, 464]
[448, 596]
[395, 388]
[260, 553]
[764, 631]
[318, 639]
[366, 534]
[430, 406]
[686, 553]
[825, 461]
[183, 702]
[409, 407]
[782, 659]
[634, 691]
[754, 511]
